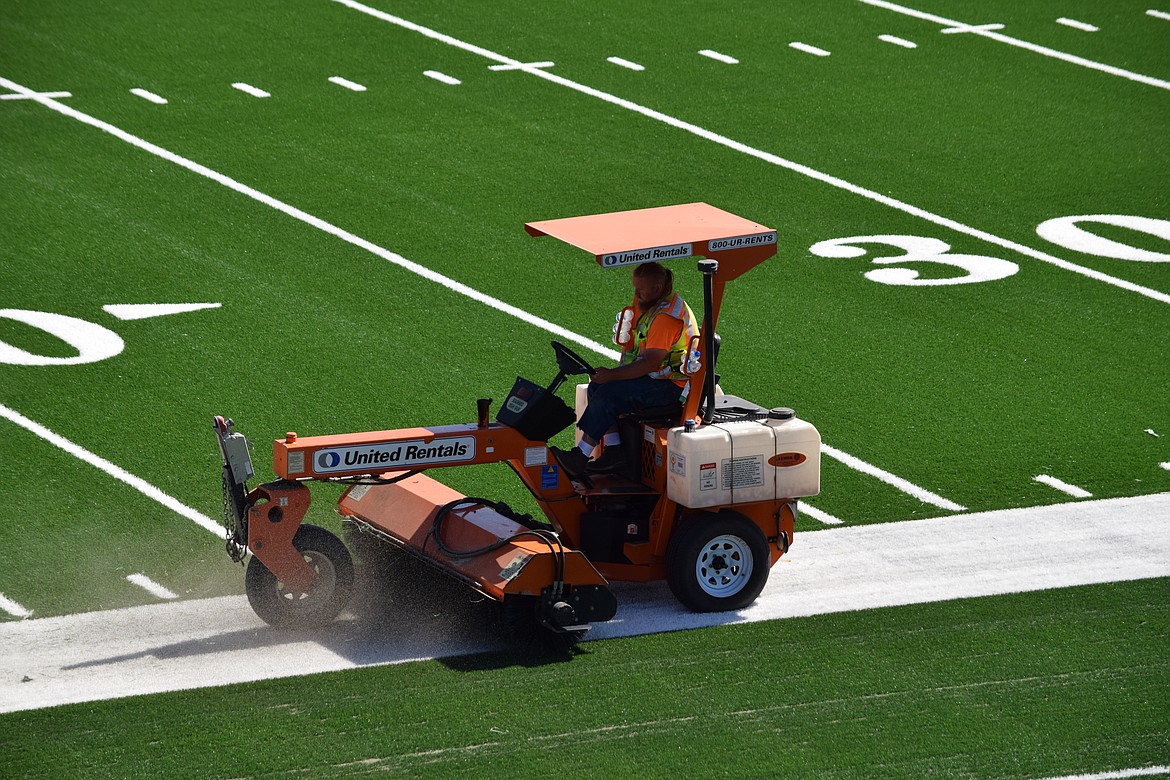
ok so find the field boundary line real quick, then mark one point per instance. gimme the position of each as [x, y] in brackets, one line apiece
[1117, 774]
[369, 246]
[768, 157]
[117, 472]
[1021, 44]
[197, 643]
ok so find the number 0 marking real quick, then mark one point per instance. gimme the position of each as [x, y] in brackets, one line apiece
[1067, 232]
[92, 341]
[917, 249]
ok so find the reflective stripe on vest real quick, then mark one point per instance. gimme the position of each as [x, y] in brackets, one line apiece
[675, 307]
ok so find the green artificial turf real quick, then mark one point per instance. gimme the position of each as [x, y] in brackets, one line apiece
[1033, 685]
[968, 391]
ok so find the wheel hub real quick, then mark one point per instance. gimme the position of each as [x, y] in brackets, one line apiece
[724, 566]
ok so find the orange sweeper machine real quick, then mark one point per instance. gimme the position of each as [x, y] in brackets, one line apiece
[708, 502]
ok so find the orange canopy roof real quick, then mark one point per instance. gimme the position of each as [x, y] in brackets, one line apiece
[624, 238]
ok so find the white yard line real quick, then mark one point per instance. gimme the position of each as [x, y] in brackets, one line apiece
[905, 44]
[139, 484]
[1077, 25]
[250, 90]
[982, 31]
[768, 157]
[148, 95]
[443, 77]
[523, 66]
[714, 55]
[818, 515]
[344, 82]
[625, 63]
[197, 643]
[12, 608]
[959, 29]
[1062, 486]
[809, 49]
[1158, 14]
[26, 96]
[150, 586]
[921, 493]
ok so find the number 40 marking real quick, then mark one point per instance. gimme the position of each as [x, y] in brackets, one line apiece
[92, 341]
[1063, 231]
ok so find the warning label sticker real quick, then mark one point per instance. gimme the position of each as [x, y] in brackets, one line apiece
[707, 473]
[743, 472]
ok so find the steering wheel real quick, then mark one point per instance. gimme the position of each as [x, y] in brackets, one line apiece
[569, 362]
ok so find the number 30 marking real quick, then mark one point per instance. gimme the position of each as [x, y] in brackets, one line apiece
[917, 249]
[1062, 231]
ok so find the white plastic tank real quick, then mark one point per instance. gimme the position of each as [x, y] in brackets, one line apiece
[741, 462]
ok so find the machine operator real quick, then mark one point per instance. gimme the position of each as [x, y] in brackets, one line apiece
[648, 375]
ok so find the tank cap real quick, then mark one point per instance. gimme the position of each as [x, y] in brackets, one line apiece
[781, 413]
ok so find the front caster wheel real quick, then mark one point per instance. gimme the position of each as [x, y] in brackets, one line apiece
[717, 562]
[327, 596]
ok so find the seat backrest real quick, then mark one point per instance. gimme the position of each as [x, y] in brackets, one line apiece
[669, 412]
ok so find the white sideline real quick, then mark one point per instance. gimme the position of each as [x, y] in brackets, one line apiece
[1047, 52]
[139, 484]
[197, 643]
[768, 157]
[1117, 774]
[401, 262]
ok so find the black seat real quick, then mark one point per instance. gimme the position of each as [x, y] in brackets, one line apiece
[668, 412]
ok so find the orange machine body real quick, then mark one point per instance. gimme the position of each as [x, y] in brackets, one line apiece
[608, 527]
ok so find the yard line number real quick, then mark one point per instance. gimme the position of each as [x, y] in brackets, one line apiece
[1062, 231]
[95, 342]
[92, 341]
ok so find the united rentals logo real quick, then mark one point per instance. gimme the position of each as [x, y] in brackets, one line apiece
[650, 255]
[392, 455]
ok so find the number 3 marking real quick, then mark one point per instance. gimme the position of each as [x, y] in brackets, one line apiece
[917, 249]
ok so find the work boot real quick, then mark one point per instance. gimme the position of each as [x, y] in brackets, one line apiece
[573, 461]
[612, 459]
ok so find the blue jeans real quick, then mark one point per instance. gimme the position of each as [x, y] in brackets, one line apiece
[607, 401]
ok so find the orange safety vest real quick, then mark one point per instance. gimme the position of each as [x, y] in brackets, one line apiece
[675, 307]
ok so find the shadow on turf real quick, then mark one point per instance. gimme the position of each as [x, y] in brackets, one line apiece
[401, 610]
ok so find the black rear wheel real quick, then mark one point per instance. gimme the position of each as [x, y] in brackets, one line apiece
[717, 562]
[327, 596]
